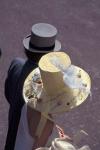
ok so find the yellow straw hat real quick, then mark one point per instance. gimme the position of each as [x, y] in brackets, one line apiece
[58, 85]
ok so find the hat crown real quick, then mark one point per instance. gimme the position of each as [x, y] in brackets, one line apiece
[43, 35]
[51, 74]
[44, 30]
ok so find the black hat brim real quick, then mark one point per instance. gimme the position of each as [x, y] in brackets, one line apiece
[27, 46]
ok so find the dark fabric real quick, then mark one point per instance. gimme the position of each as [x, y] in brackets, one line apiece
[0, 52]
[17, 73]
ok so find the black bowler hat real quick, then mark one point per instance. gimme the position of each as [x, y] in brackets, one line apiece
[42, 39]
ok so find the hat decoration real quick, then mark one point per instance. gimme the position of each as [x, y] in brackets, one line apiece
[71, 77]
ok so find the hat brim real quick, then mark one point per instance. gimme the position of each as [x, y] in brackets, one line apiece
[73, 97]
[27, 46]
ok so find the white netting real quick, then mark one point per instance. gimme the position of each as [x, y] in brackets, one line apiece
[71, 77]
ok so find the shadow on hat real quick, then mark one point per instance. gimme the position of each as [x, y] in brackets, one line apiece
[42, 39]
[51, 95]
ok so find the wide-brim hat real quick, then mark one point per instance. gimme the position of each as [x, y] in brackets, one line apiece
[42, 39]
[47, 83]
